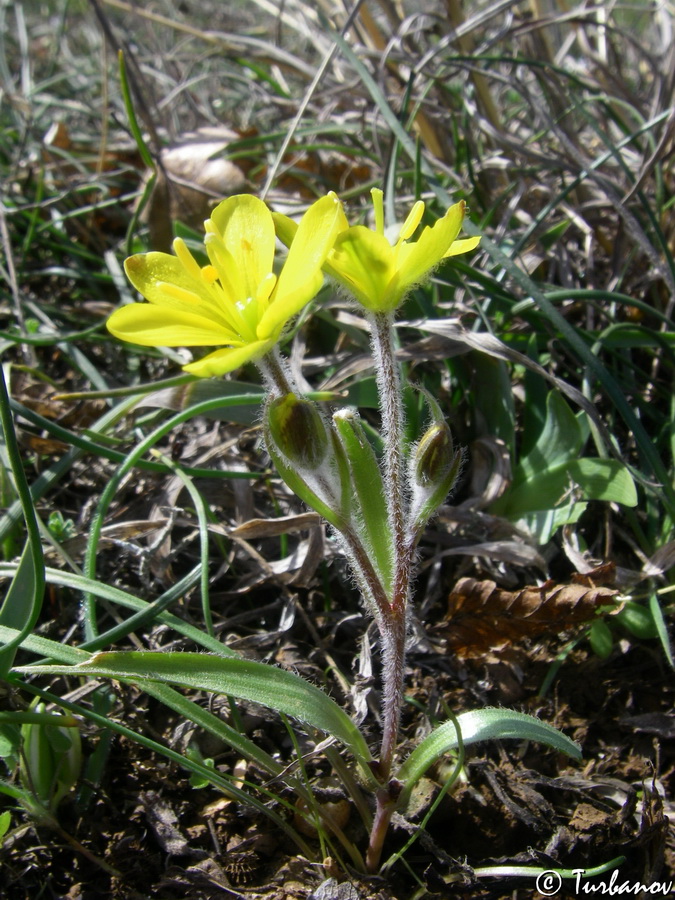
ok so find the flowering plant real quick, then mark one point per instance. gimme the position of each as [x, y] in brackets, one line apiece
[377, 506]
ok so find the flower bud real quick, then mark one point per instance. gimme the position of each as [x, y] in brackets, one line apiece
[434, 457]
[434, 469]
[298, 431]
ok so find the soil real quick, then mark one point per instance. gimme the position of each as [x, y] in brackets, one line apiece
[143, 831]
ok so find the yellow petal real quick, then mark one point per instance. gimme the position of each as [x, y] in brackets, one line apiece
[463, 246]
[417, 260]
[245, 224]
[154, 326]
[272, 323]
[312, 242]
[300, 279]
[229, 276]
[221, 361]
[363, 261]
[150, 272]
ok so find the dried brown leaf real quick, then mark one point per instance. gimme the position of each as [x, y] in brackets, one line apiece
[191, 178]
[483, 617]
[264, 528]
[112, 535]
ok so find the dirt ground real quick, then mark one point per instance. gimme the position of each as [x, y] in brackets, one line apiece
[146, 832]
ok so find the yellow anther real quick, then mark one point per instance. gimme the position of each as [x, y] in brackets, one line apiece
[210, 274]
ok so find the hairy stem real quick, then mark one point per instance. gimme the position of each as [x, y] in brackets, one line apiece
[385, 806]
[393, 624]
[276, 374]
[391, 401]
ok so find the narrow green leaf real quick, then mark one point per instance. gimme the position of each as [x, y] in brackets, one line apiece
[366, 478]
[480, 725]
[662, 628]
[182, 396]
[145, 153]
[186, 708]
[244, 679]
[23, 601]
[19, 609]
[145, 612]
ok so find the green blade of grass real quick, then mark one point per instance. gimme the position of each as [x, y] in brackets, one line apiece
[146, 613]
[23, 601]
[188, 709]
[241, 678]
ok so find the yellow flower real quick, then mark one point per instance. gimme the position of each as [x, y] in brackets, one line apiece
[236, 302]
[380, 274]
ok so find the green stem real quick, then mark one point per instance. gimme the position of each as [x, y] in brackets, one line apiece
[391, 401]
[276, 374]
[393, 624]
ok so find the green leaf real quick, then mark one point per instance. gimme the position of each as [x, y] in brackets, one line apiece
[595, 479]
[604, 479]
[23, 601]
[544, 523]
[186, 708]
[243, 679]
[21, 605]
[662, 629]
[143, 149]
[10, 740]
[600, 637]
[535, 405]
[363, 393]
[5, 822]
[145, 612]
[51, 759]
[480, 725]
[368, 486]
[559, 442]
[492, 394]
[637, 619]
